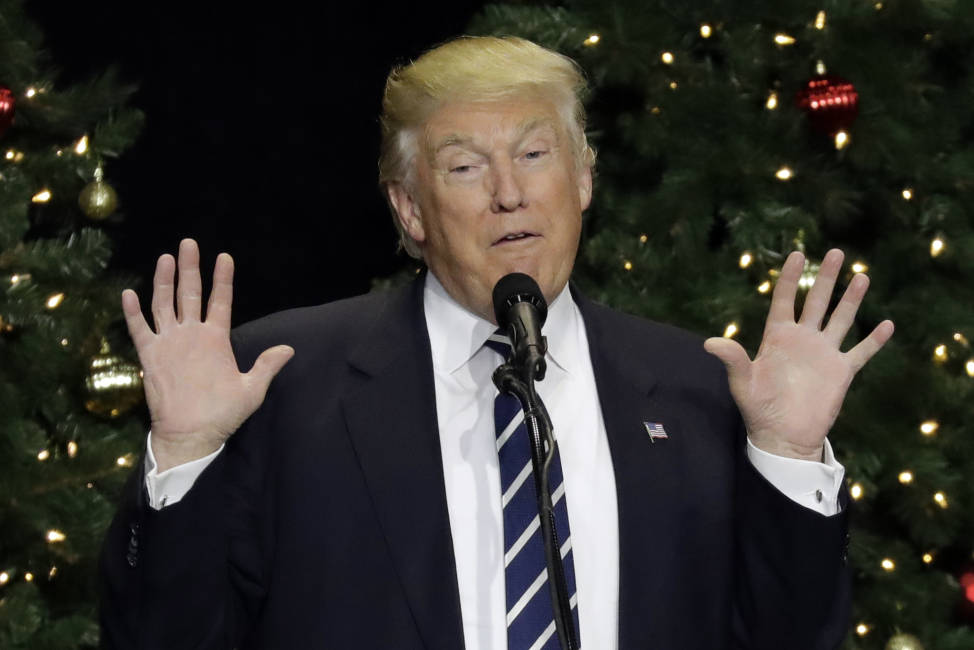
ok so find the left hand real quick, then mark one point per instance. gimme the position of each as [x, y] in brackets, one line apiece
[791, 393]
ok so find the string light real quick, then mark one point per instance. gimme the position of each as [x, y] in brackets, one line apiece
[593, 39]
[764, 287]
[64, 342]
[937, 247]
[862, 629]
[783, 39]
[673, 85]
[856, 491]
[969, 367]
[960, 338]
[772, 102]
[667, 57]
[643, 239]
[906, 477]
[42, 197]
[4, 578]
[627, 266]
[29, 577]
[929, 427]
[705, 30]
[878, 6]
[54, 301]
[859, 267]
[55, 536]
[820, 20]
[72, 449]
[927, 558]
[941, 499]
[746, 259]
[81, 146]
[784, 174]
[730, 330]
[820, 68]
[31, 92]
[52, 573]
[907, 193]
[940, 353]
[888, 564]
[841, 140]
[14, 155]
[43, 455]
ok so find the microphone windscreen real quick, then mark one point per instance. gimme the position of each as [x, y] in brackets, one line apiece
[514, 288]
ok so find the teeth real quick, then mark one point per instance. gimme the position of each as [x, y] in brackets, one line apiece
[519, 235]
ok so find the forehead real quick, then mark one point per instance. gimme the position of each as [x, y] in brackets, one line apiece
[481, 123]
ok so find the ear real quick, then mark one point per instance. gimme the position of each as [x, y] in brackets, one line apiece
[585, 187]
[407, 211]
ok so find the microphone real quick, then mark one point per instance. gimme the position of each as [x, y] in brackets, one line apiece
[520, 309]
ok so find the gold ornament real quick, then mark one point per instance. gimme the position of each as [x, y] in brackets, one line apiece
[904, 642]
[98, 199]
[113, 385]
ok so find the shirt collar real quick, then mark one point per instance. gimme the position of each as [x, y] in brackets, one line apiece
[456, 334]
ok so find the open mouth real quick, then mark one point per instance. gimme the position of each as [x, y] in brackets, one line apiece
[515, 236]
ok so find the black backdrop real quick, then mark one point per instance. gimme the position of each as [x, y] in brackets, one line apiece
[261, 133]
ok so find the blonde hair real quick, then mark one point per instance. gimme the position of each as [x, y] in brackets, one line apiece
[473, 68]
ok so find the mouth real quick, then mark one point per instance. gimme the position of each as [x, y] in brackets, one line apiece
[519, 236]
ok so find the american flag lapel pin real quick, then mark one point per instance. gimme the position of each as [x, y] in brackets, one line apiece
[655, 431]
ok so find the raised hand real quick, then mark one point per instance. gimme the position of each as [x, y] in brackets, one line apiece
[196, 395]
[790, 395]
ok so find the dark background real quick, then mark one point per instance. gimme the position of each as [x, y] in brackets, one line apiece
[261, 133]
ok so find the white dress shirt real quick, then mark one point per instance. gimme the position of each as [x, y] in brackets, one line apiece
[462, 369]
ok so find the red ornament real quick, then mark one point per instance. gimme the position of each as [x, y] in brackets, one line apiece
[7, 104]
[830, 102]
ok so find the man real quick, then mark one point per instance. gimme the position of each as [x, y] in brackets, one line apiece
[360, 503]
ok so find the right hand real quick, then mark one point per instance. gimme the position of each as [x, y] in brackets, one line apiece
[196, 395]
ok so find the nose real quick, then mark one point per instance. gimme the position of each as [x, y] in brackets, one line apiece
[505, 188]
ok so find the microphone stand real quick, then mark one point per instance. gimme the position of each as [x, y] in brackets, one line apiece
[518, 380]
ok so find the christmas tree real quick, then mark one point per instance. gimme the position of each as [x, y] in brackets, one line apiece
[730, 133]
[65, 440]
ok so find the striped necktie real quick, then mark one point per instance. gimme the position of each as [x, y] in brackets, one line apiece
[530, 622]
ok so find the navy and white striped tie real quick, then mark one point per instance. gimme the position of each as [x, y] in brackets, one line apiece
[530, 621]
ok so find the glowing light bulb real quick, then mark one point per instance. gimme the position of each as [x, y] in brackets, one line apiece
[705, 30]
[4, 578]
[41, 197]
[746, 259]
[856, 491]
[784, 174]
[859, 267]
[820, 20]
[54, 301]
[937, 247]
[643, 239]
[888, 564]
[627, 266]
[820, 68]
[841, 140]
[907, 194]
[667, 58]
[929, 427]
[969, 367]
[593, 39]
[81, 146]
[673, 85]
[72, 449]
[783, 39]
[10, 154]
[52, 573]
[906, 477]
[122, 461]
[764, 287]
[31, 92]
[941, 499]
[55, 536]
[730, 330]
[960, 338]
[927, 558]
[862, 629]
[772, 102]
[43, 455]
[940, 353]
[29, 577]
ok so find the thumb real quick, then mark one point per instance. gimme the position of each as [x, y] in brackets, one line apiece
[733, 356]
[268, 364]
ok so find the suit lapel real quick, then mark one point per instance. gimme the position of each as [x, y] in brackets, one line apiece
[390, 411]
[647, 472]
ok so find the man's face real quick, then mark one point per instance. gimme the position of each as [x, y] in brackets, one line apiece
[496, 191]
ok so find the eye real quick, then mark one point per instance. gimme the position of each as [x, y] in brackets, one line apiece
[535, 154]
[461, 169]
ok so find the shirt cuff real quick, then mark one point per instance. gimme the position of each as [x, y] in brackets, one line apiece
[808, 483]
[167, 488]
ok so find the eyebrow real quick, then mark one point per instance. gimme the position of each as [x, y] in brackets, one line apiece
[526, 127]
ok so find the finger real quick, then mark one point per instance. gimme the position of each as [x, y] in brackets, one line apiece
[783, 299]
[817, 301]
[221, 297]
[162, 292]
[845, 312]
[138, 329]
[870, 345]
[189, 292]
[268, 364]
[733, 356]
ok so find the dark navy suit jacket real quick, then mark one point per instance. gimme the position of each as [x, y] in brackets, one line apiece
[324, 522]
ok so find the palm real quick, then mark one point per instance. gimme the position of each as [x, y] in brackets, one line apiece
[791, 393]
[196, 395]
